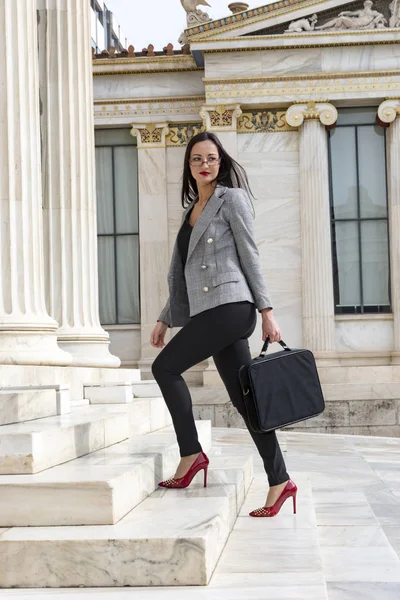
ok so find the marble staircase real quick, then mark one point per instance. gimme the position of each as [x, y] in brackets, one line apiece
[80, 505]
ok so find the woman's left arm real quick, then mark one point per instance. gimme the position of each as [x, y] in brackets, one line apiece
[242, 225]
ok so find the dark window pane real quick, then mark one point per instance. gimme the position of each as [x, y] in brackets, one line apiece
[347, 254]
[126, 189]
[128, 279]
[357, 116]
[375, 262]
[114, 137]
[108, 311]
[372, 171]
[344, 173]
[104, 190]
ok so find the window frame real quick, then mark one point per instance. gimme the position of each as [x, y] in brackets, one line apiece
[115, 235]
[361, 308]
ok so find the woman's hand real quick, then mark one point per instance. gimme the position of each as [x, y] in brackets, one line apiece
[270, 327]
[158, 335]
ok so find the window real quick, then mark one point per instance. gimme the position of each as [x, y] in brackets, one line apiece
[118, 226]
[359, 213]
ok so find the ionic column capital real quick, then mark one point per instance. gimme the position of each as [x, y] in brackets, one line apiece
[220, 117]
[325, 112]
[389, 110]
[150, 135]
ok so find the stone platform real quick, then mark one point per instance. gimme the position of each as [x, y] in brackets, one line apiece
[343, 544]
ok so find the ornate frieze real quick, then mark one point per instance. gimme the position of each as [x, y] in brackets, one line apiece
[148, 107]
[180, 134]
[261, 121]
[221, 117]
[322, 111]
[329, 84]
[150, 135]
[389, 110]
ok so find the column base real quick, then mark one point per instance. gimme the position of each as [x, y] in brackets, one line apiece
[32, 348]
[89, 353]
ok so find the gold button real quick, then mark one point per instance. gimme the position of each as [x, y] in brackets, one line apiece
[204, 266]
[210, 241]
[205, 289]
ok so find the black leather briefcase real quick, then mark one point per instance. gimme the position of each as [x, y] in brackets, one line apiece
[281, 388]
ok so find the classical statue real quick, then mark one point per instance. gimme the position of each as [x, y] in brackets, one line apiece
[394, 20]
[302, 25]
[194, 15]
[365, 18]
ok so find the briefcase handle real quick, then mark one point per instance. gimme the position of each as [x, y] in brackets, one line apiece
[266, 344]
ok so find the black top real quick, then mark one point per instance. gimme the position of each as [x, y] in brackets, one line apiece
[184, 239]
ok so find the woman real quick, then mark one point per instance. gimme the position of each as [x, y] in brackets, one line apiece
[215, 283]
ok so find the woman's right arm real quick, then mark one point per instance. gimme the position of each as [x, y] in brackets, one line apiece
[165, 315]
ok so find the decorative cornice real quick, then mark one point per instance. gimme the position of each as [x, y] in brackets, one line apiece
[221, 117]
[146, 71]
[149, 107]
[263, 120]
[150, 135]
[301, 86]
[389, 110]
[322, 111]
[301, 76]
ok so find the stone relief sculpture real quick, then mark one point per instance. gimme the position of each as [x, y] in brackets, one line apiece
[193, 15]
[302, 25]
[364, 18]
[394, 7]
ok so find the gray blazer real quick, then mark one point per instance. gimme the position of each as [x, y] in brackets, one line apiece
[223, 263]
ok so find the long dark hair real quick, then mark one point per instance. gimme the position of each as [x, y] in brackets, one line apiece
[230, 173]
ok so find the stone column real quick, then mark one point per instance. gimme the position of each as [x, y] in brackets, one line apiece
[317, 280]
[68, 164]
[389, 112]
[153, 231]
[222, 120]
[28, 336]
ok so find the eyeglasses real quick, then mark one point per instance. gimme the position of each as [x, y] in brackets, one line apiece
[197, 161]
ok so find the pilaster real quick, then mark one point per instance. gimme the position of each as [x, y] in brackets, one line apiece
[317, 280]
[389, 112]
[222, 119]
[153, 230]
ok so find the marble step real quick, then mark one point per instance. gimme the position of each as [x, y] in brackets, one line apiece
[173, 538]
[97, 489]
[146, 389]
[17, 406]
[144, 414]
[33, 446]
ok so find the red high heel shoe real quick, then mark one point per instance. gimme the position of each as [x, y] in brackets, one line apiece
[289, 491]
[200, 463]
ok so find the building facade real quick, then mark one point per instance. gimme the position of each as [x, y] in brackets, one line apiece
[307, 100]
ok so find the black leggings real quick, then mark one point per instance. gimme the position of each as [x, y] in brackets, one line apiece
[222, 333]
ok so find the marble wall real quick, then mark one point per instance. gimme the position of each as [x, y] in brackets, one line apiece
[148, 85]
[303, 60]
[272, 163]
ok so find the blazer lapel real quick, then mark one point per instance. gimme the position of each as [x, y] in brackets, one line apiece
[205, 218]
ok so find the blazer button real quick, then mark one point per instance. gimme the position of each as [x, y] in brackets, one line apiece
[205, 289]
[204, 266]
[210, 241]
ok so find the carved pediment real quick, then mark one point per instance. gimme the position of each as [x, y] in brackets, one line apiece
[361, 15]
